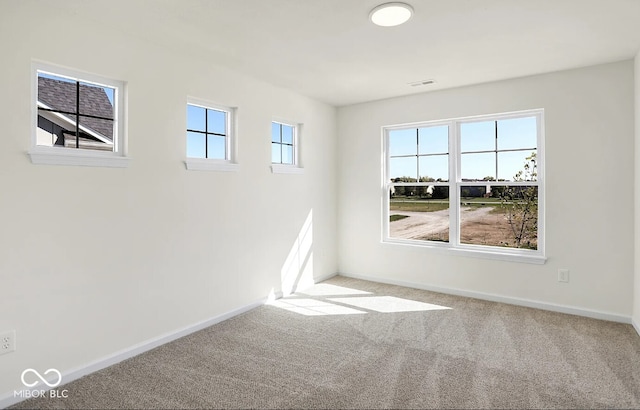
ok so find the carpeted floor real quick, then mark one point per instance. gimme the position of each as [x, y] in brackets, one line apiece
[348, 343]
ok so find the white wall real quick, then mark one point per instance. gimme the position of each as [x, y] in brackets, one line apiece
[126, 255]
[636, 297]
[589, 191]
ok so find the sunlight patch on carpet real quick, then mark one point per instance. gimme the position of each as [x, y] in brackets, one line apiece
[312, 307]
[388, 304]
[326, 289]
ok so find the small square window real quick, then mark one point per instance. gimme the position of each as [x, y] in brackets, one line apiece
[210, 137]
[207, 132]
[79, 119]
[283, 143]
[74, 114]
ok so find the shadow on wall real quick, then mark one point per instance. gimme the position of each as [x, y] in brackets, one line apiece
[297, 271]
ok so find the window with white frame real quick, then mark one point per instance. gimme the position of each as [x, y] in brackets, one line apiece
[78, 118]
[210, 140]
[283, 143]
[285, 147]
[473, 184]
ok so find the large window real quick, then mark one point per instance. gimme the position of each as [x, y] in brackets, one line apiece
[78, 118]
[473, 184]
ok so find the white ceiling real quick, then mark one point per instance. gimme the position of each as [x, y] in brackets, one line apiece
[328, 49]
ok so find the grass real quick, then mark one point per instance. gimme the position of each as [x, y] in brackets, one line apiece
[418, 205]
[433, 205]
[396, 217]
[483, 201]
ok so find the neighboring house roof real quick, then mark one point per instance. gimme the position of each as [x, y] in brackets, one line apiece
[61, 95]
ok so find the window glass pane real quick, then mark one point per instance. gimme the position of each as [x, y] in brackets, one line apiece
[69, 140]
[505, 216]
[473, 192]
[433, 140]
[276, 153]
[195, 118]
[516, 166]
[403, 167]
[85, 141]
[476, 167]
[94, 100]
[275, 132]
[517, 133]
[434, 167]
[287, 134]
[217, 122]
[403, 142]
[56, 77]
[287, 154]
[419, 213]
[216, 147]
[47, 132]
[74, 113]
[111, 94]
[477, 136]
[195, 145]
[57, 93]
[97, 128]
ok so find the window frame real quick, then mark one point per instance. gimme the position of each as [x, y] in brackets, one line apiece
[230, 162]
[455, 183]
[56, 155]
[296, 166]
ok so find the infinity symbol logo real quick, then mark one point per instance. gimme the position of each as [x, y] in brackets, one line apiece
[42, 379]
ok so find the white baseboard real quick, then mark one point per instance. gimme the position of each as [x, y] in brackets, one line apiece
[68, 376]
[322, 278]
[8, 399]
[612, 317]
[635, 325]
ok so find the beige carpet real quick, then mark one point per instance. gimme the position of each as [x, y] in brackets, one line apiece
[354, 344]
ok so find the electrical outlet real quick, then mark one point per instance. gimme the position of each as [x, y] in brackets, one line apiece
[563, 275]
[7, 342]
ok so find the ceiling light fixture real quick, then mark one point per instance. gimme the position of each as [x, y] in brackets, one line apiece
[391, 14]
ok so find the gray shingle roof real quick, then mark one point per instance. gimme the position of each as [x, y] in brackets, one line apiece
[61, 95]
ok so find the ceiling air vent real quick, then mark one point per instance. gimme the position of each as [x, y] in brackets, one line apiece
[420, 83]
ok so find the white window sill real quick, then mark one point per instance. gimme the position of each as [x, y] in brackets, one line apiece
[509, 255]
[77, 157]
[286, 169]
[203, 164]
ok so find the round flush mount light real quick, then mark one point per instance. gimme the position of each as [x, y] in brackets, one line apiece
[391, 14]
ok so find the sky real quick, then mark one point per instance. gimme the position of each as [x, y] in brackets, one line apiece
[517, 133]
[281, 143]
[211, 121]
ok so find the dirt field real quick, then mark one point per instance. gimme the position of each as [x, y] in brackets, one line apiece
[478, 226]
[426, 226]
